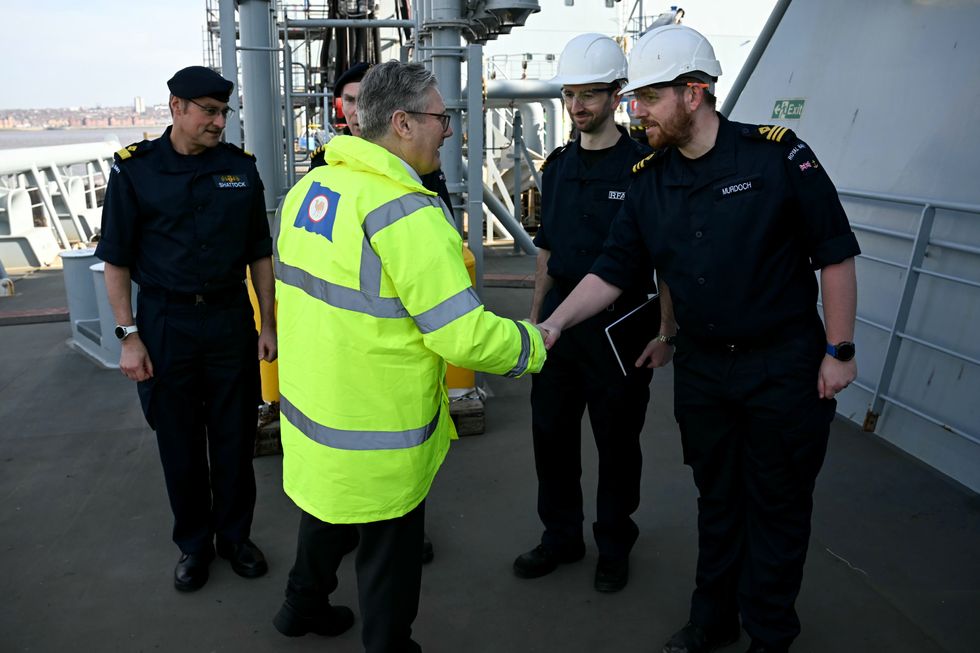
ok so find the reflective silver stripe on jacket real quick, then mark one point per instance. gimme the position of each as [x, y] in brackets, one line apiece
[384, 216]
[340, 296]
[357, 440]
[446, 311]
[522, 360]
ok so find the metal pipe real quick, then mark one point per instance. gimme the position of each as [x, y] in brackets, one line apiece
[554, 125]
[18, 160]
[446, 65]
[515, 228]
[287, 80]
[943, 425]
[262, 112]
[41, 183]
[516, 137]
[530, 165]
[943, 350]
[229, 68]
[349, 22]
[904, 307]
[525, 89]
[948, 277]
[911, 200]
[754, 56]
[474, 155]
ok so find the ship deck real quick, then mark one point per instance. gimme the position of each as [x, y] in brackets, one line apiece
[86, 562]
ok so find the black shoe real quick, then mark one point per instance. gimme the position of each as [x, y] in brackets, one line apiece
[336, 620]
[695, 639]
[542, 560]
[246, 559]
[756, 647]
[428, 553]
[191, 571]
[611, 574]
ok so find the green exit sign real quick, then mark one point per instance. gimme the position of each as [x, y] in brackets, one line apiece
[791, 109]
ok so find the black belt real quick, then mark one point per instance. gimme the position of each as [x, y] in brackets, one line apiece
[216, 298]
[772, 339]
[727, 347]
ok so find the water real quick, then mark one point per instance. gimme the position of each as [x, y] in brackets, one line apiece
[14, 138]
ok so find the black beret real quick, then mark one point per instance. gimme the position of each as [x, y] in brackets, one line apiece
[198, 81]
[353, 74]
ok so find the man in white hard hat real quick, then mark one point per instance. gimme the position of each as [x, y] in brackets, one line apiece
[584, 184]
[735, 218]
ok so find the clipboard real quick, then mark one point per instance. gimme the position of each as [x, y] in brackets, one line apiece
[629, 335]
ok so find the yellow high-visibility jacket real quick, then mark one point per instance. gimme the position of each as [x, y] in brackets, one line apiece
[374, 298]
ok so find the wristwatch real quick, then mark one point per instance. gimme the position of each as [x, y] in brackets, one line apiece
[666, 339]
[842, 351]
[123, 331]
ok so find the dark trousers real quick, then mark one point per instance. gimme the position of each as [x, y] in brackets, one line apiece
[581, 372]
[389, 575]
[201, 401]
[754, 432]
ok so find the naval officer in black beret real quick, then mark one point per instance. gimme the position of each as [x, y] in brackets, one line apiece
[183, 217]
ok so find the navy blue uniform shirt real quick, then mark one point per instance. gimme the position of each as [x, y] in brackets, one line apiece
[578, 204]
[187, 224]
[736, 234]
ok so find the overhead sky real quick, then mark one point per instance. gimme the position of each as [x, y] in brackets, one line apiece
[66, 53]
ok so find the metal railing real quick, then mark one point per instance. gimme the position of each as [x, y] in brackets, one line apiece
[913, 269]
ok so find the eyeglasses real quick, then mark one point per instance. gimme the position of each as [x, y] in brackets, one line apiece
[588, 96]
[211, 112]
[443, 117]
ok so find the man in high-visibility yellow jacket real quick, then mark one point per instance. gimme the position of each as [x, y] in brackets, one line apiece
[374, 299]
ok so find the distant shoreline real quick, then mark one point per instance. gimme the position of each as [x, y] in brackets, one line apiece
[28, 138]
[84, 128]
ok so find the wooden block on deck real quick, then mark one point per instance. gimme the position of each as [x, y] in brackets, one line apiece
[267, 438]
[468, 415]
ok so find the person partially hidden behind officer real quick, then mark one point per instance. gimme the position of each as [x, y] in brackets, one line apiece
[735, 218]
[183, 217]
[374, 298]
[347, 88]
[584, 183]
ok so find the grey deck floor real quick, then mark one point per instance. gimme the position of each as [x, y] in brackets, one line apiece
[86, 557]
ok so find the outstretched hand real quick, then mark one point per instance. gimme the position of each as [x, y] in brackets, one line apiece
[549, 332]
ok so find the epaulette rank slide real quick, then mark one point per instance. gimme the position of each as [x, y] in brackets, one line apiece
[239, 150]
[136, 149]
[771, 133]
[555, 153]
[643, 163]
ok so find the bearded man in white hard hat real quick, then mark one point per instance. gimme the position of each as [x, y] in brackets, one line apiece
[584, 184]
[735, 218]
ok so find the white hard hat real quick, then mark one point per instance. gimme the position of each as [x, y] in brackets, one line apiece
[665, 53]
[590, 59]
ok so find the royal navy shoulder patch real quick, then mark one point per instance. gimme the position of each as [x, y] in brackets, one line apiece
[645, 162]
[136, 149]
